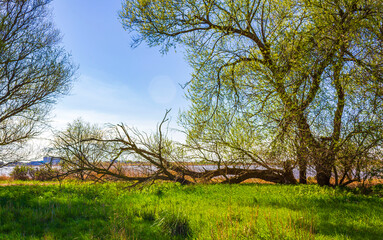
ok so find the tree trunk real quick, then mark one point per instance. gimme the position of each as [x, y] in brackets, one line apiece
[267, 175]
[304, 141]
[302, 172]
[302, 164]
[323, 175]
[324, 166]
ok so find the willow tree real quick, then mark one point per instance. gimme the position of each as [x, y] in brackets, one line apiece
[34, 71]
[301, 76]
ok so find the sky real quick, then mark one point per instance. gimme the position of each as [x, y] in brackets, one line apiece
[115, 82]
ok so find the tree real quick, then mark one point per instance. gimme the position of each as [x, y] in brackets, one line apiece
[87, 150]
[126, 154]
[77, 149]
[303, 77]
[34, 71]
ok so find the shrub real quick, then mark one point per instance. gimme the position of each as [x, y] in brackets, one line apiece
[44, 173]
[22, 173]
[378, 190]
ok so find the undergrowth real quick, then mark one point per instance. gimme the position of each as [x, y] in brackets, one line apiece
[170, 211]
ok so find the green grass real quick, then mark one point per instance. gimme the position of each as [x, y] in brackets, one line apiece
[171, 211]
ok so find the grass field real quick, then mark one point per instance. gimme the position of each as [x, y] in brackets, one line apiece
[171, 211]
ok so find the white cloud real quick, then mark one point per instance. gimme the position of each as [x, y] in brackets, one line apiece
[104, 102]
[65, 116]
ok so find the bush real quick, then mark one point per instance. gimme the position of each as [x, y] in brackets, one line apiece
[377, 190]
[22, 173]
[44, 173]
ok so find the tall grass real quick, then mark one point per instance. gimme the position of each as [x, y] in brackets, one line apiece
[171, 211]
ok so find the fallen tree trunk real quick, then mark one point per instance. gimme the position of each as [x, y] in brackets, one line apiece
[159, 157]
[267, 175]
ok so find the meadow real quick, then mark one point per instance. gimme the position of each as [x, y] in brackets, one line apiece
[73, 210]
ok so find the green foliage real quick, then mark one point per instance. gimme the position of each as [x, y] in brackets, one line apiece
[174, 224]
[110, 211]
[289, 81]
[43, 173]
[21, 172]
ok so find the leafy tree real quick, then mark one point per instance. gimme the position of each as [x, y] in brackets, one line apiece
[34, 71]
[298, 81]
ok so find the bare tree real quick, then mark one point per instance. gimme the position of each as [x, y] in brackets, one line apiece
[77, 152]
[88, 150]
[34, 70]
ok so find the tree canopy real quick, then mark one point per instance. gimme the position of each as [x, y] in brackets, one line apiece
[298, 79]
[34, 70]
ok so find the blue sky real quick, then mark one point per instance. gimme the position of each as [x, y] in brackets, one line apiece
[116, 83]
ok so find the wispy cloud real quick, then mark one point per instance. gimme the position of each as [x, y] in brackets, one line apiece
[96, 101]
